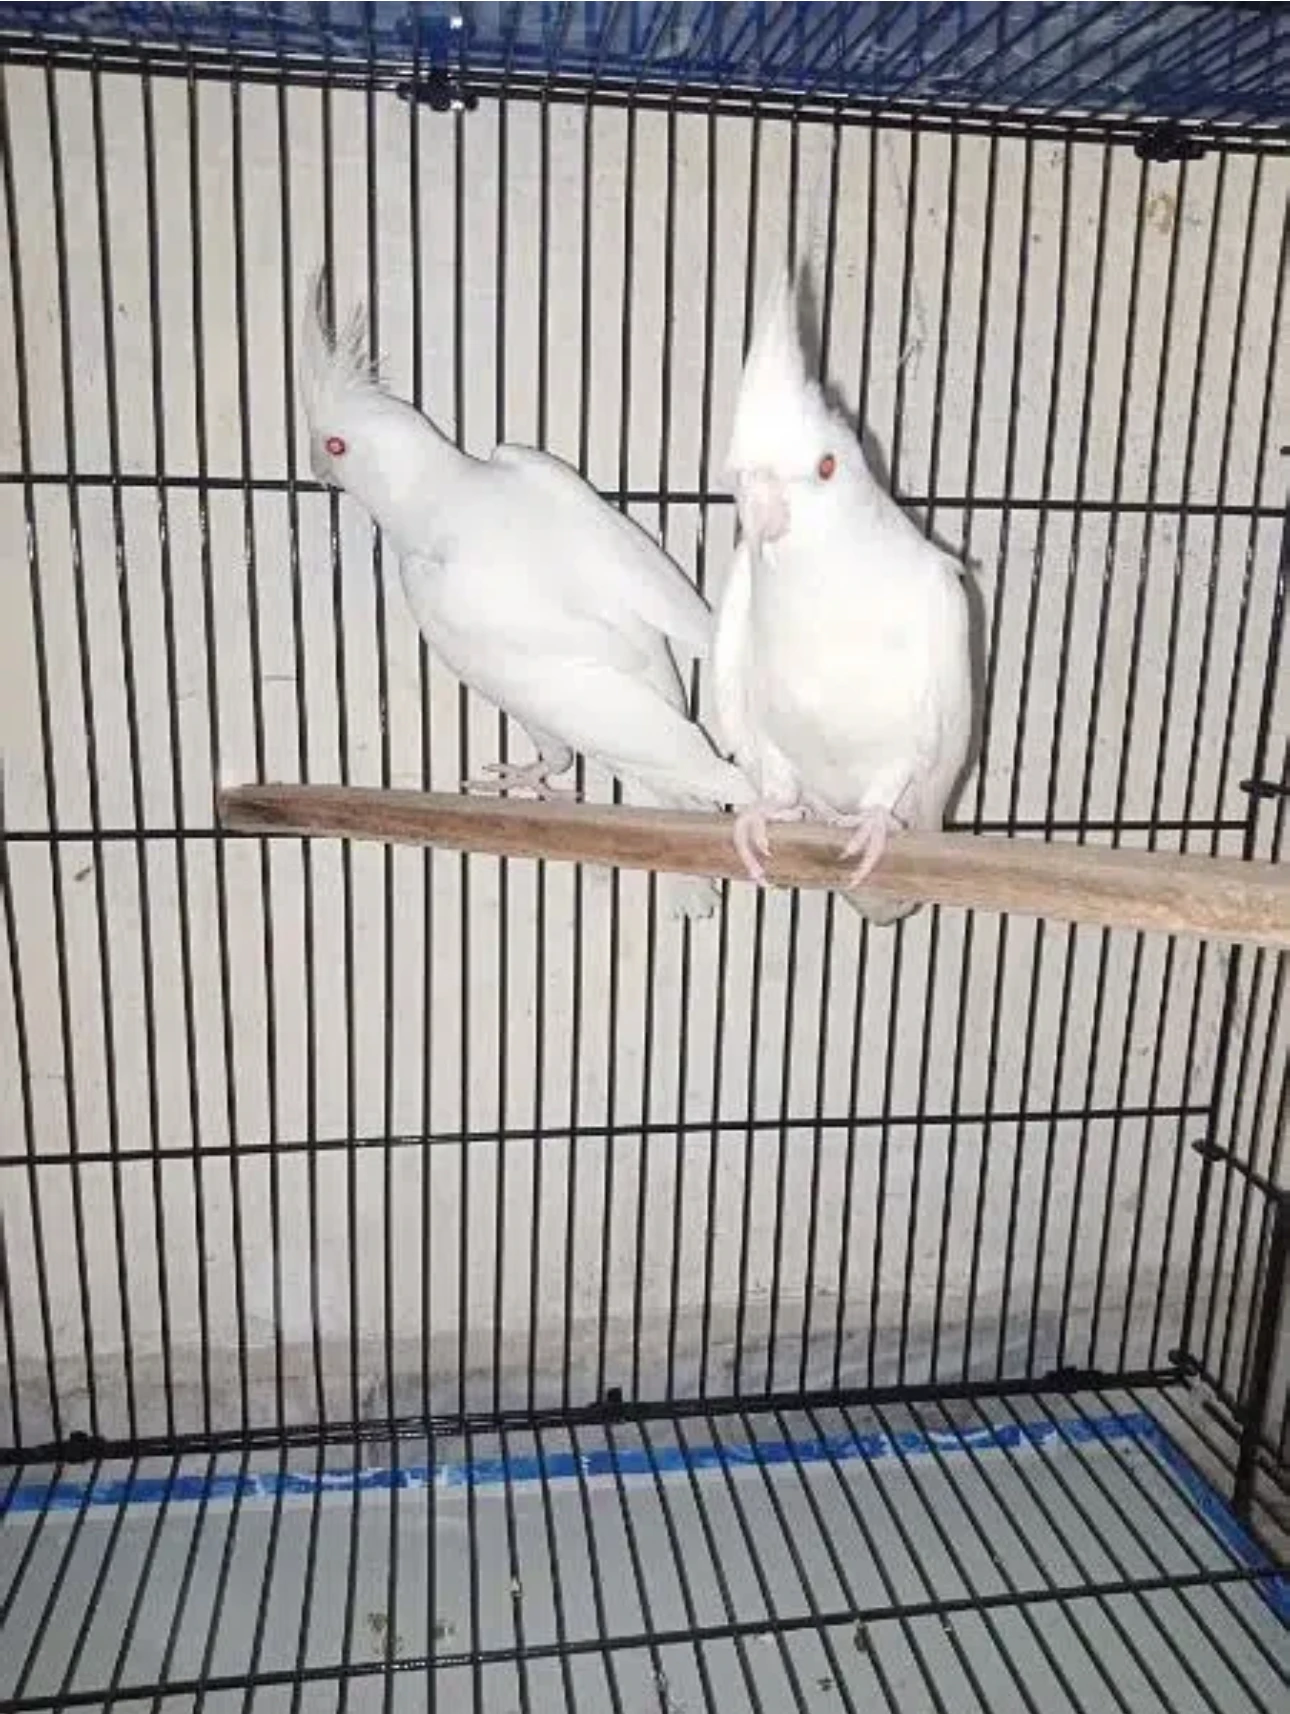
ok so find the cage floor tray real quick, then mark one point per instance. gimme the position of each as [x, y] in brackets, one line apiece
[1005, 1555]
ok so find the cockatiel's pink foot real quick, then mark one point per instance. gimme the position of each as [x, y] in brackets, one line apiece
[533, 777]
[752, 834]
[871, 829]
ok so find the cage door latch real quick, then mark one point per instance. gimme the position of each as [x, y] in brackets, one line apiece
[1168, 141]
[443, 90]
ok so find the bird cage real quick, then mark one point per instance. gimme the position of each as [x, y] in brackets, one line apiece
[440, 1279]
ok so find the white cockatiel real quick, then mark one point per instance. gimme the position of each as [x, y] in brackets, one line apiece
[529, 587]
[841, 663]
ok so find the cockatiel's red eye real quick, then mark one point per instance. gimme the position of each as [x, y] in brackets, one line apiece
[335, 445]
[825, 468]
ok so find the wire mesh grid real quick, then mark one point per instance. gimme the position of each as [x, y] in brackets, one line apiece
[358, 1121]
[1215, 68]
[303, 1147]
[1045, 1553]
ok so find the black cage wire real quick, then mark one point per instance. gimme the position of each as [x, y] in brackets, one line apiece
[434, 1281]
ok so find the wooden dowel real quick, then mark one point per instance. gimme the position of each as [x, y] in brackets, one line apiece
[1212, 898]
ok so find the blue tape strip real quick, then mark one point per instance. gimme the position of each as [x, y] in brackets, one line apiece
[1224, 1521]
[69, 1496]
[561, 1466]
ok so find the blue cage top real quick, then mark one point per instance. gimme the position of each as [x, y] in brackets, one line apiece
[1213, 64]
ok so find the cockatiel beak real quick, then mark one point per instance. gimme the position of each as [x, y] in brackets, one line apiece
[763, 505]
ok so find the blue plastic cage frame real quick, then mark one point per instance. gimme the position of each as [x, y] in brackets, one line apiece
[1217, 67]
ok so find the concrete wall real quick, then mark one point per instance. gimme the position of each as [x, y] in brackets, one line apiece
[1036, 321]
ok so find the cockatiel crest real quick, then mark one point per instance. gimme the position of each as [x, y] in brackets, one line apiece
[362, 437]
[781, 410]
[789, 448]
[334, 363]
[841, 662]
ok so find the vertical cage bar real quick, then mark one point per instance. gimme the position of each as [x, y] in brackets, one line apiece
[537, 1250]
[35, 584]
[1130, 713]
[750, 1151]
[103, 930]
[504, 913]
[1272, 1301]
[197, 312]
[1249, 847]
[137, 810]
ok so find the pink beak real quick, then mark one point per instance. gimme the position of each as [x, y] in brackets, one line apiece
[763, 506]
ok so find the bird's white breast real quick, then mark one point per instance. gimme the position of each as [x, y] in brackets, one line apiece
[844, 668]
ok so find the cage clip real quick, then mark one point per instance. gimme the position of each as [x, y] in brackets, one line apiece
[1070, 1378]
[82, 1448]
[1275, 1192]
[442, 90]
[1266, 788]
[1168, 142]
[1185, 1363]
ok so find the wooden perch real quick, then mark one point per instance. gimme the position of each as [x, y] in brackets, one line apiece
[1213, 898]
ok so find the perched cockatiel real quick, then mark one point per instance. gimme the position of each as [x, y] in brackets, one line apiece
[530, 588]
[841, 666]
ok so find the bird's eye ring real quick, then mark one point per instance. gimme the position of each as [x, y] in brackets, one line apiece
[335, 445]
[825, 468]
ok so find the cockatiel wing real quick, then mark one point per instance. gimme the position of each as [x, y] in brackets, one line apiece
[472, 626]
[938, 759]
[616, 699]
[951, 695]
[732, 661]
[633, 576]
[733, 667]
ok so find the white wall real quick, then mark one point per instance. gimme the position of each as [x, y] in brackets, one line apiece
[431, 1002]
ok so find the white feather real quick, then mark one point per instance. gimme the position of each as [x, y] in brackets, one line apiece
[638, 578]
[780, 413]
[334, 365]
[526, 584]
[841, 660]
